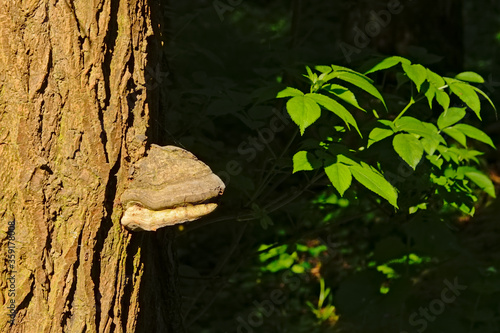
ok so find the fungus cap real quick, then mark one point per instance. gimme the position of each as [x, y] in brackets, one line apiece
[169, 186]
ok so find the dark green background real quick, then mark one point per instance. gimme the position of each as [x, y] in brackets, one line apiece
[215, 91]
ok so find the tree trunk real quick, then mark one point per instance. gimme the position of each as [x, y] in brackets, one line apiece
[75, 107]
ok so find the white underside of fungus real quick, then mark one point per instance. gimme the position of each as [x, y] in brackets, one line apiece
[140, 218]
[169, 186]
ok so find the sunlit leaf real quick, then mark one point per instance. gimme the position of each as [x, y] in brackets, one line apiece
[435, 79]
[340, 176]
[345, 159]
[470, 155]
[341, 69]
[304, 111]
[470, 77]
[362, 83]
[457, 135]
[323, 69]
[417, 73]
[289, 92]
[443, 99]
[435, 87]
[430, 93]
[375, 182]
[378, 134]
[409, 148]
[467, 94]
[388, 123]
[415, 126]
[431, 141]
[484, 95]
[481, 180]
[301, 162]
[429, 145]
[309, 72]
[448, 153]
[435, 160]
[474, 133]
[450, 117]
[335, 107]
[343, 93]
[388, 63]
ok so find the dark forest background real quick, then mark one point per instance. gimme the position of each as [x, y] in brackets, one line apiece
[283, 252]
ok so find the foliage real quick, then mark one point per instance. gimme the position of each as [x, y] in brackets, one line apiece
[281, 233]
[439, 145]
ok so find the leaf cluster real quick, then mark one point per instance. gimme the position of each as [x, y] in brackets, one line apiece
[440, 147]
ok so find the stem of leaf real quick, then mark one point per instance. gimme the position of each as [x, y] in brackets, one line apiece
[410, 103]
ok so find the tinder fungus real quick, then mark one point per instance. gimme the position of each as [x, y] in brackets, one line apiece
[169, 186]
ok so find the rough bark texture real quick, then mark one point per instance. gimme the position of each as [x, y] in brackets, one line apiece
[74, 111]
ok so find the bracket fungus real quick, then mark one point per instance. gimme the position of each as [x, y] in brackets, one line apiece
[169, 186]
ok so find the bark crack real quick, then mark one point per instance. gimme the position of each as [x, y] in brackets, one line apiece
[27, 299]
[110, 43]
[102, 233]
[71, 294]
[130, 270]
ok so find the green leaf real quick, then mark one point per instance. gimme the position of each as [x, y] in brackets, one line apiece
[470, 155]
[289, 92]
[375, 182]
[409, 148]
[430, 93]
[470, 77]
[343, 93]
[429, 145]
[304, 111]
[340, 69]
[388, 63]
[378, 134]
[328, 76]
[415, 126]
[362, 83]
[435, 160]
[341, 158]
[466, 207]
[474, 133]
[450, 117]
[481, 180]
[388, 123]
[417, 73]
[309, 73]
[485, 96]
[411, 125]
[443, 99]
[335, 107]
[457, 135]
[467, 94]
[434, 138]
[435, 79]
[301, 162]
[323, 69]
[435, 87]
[274, 251]
[448, 154]
[441, 180]
[340, 176]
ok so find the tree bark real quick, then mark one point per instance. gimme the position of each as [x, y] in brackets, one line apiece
[74, 113]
